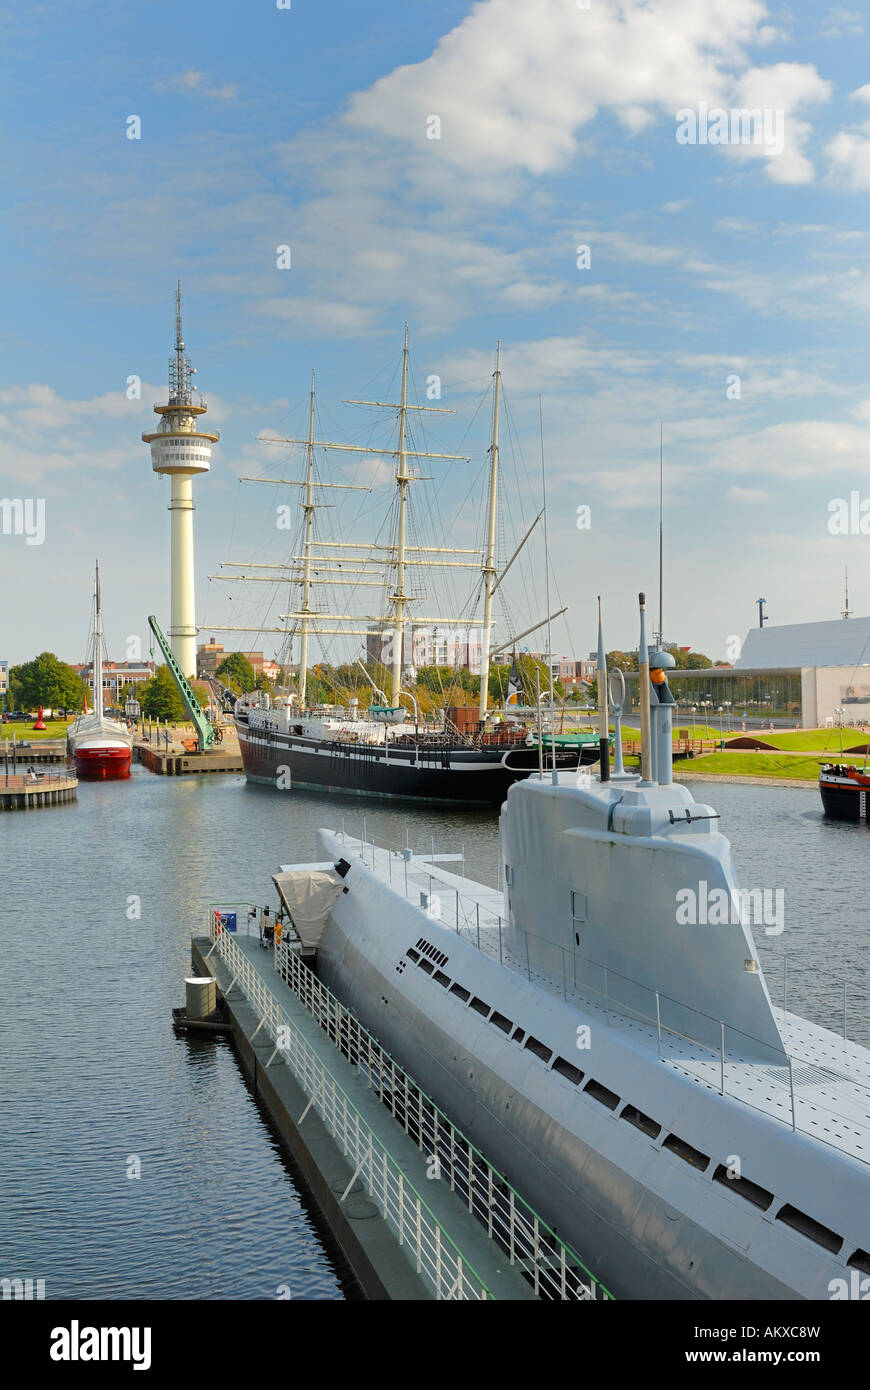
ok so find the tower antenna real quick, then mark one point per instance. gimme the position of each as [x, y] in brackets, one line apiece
[847, 613]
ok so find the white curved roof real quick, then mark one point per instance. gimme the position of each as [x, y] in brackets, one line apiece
[840, 642]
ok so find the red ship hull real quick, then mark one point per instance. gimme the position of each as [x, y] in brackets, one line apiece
[102, 763]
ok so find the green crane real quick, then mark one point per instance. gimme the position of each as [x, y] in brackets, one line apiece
[206, 734]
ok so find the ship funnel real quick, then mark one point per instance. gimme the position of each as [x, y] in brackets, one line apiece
[603, 735]
[646, 769]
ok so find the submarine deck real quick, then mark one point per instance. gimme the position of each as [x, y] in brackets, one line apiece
[823, 1091]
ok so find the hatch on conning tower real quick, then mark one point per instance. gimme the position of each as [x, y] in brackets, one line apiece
[308, 892]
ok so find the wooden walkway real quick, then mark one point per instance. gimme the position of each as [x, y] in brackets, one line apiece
[683, 747]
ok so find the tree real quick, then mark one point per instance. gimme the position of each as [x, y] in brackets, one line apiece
[159, 697]
[237, 672]
[626, 661]
[688, 661]
[528, 666]
[46, 681]
[498, 683]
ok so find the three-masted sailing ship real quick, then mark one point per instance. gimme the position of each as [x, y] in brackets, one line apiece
[471, 758]
[100, 747]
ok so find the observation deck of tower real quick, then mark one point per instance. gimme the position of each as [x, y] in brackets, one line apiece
[182, 451]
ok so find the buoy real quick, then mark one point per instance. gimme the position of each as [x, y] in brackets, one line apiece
[40, 722]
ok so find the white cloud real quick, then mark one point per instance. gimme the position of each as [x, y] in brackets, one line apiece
[804, 448]
[849, 155]
[849, 151]
[193, 81]
[748, 494]
[840, 23]
[785, 88]
[38, 409]
[514, 84]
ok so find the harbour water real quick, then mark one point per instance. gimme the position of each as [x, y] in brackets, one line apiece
[99, 901]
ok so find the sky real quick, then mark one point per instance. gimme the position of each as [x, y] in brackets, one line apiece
[504, 170]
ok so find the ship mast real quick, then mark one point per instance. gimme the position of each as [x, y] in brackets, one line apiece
[488, 567]
[98, 650]
[399, 598]
[308, 509]
[332, 562]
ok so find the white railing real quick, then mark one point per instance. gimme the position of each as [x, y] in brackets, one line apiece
[553, 1269]
[436, 1257]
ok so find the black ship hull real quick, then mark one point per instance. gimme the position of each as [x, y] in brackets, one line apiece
[846, 803]
[453, 774]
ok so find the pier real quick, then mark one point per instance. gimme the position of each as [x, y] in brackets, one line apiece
[19, 792]
[175, 764]
[41, 750]
[172, 752]
[367, 1139]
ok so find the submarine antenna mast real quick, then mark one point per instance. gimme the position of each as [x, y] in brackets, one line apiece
[554, 774]
[603, 738]
[661, 531]
[643, 687]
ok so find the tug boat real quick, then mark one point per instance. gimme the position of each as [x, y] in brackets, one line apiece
[625, 1070]
[101, 748]
[845, 791]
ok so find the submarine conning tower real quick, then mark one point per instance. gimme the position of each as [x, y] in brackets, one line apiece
[601, 877]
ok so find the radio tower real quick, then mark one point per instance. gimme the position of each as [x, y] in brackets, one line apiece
[179, 449]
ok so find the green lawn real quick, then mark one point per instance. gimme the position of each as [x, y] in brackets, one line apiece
[752, 765]
[809, 740]
[54, 728]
